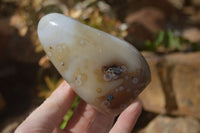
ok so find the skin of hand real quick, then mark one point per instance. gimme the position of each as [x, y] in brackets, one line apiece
[48, 116]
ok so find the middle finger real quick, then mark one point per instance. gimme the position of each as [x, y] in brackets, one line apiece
[87, 120]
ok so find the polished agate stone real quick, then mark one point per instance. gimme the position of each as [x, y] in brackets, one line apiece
[103, 70]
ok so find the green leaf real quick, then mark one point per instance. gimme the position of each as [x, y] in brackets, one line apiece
[160, 38]
[169, 39]
[66, 118]
[176, 43]
[149, 46]
[69, 113]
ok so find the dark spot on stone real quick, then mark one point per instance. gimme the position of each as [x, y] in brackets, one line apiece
[110, 97]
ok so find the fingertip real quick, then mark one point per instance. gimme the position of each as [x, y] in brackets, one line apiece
[127, 119]
[134, 107]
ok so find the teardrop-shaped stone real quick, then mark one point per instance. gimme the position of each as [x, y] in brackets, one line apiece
[103, 70]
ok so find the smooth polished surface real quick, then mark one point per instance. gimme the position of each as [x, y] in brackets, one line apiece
[103, 70]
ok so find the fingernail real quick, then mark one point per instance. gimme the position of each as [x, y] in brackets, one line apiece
[136, 104]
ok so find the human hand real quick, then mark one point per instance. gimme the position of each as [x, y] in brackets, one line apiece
[48, 116]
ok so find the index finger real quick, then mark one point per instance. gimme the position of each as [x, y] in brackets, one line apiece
[49, 115]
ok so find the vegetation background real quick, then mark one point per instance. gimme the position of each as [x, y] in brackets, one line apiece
[27, 76]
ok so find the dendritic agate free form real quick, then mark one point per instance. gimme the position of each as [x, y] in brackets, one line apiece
[103, 70]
